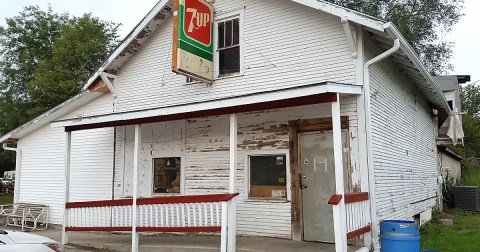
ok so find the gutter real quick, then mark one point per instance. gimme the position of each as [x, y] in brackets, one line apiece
[408, 50]
[371, 175]
[18, 165]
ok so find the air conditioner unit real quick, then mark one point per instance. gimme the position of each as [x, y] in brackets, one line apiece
[466, 198]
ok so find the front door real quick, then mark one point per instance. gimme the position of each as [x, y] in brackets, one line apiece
[317, 167]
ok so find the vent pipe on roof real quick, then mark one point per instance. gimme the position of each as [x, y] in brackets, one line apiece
[18, 164]
[371, 179]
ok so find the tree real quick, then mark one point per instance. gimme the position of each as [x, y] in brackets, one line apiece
[44, 59]
[470, 99]
[82, 46]
[423, 23]
[25, 41]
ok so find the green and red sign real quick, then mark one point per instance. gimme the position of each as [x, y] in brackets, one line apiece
[193, 39]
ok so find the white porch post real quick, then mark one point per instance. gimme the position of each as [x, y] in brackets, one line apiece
[232, 215]
[136, 164]
[68, 150]
[339, 213]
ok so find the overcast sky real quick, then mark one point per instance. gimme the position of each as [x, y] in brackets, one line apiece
[465, 35]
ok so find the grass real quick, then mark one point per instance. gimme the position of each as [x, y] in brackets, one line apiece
[6, 199]
[463, 236]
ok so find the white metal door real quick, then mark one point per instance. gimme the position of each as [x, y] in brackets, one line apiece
[317, 169]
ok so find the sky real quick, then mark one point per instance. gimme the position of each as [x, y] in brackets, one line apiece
[465, 35]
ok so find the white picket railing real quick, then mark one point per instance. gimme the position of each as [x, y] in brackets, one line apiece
[358, 214]
[199, 213]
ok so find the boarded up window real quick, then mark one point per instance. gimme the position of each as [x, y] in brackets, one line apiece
[166, 175]
[268, 176]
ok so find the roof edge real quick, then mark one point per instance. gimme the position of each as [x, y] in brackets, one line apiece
[412, 55]
[352, 15]
[44, 119]
[126, 41]
[451, 153]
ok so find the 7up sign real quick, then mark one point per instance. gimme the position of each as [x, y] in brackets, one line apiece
[193, 39]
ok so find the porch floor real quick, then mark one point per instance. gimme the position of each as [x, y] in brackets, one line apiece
[184, 243]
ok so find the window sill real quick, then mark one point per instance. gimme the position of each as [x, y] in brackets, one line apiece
[166, 194]
[215, 79]
[228, 76]
[267, 200]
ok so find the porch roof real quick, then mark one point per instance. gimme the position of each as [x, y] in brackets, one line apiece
[298, 96]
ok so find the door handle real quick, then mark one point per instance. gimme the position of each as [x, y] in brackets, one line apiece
[303, 183]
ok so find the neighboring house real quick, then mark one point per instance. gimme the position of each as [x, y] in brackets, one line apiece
[9, 174]
[310, 100]
[450, 85]
[449, 161]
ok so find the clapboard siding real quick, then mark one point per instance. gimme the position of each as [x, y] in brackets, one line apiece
[91, 171]
[42, 170]
[207, 159]
[403, 144]
[205, 150]
[313, 49]
[42, 165]
[159, 140]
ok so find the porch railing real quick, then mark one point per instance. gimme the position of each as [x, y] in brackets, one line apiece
[196, 213]
[357, 213]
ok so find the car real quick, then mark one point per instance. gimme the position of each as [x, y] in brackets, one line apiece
[17, 241]
[7, 185]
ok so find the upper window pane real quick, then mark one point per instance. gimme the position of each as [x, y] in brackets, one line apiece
[228, 33]
[221, 35]
[236, 32]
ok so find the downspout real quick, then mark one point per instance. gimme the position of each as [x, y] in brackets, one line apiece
[371, 179]
[18, 166]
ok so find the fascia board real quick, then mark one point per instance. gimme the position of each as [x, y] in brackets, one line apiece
[351, 15]
[126, 42]
[224, 103]
[42, 120]
[408, 50]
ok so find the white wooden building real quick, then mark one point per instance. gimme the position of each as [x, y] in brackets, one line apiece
[307, 86]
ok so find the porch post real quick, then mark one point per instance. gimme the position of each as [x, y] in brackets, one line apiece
[136, 164]
[339, 213]
[68, 150]
[232, 215]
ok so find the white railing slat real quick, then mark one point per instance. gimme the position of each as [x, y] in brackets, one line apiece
[183, 215]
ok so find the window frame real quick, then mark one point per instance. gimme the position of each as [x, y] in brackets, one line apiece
[216, 59]
[248, 154]
[182, 177]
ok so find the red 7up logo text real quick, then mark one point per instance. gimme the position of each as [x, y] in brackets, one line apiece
[197, 23]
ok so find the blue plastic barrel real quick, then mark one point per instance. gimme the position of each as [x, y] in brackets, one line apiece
[399, 236]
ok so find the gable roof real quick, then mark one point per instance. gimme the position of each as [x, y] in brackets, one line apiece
[382, 31]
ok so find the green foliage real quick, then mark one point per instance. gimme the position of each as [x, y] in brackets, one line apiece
[6, 199]
[26, 40]
[84, 43]
[464, 235]
[448, 191]
[44, 59]
[470, 99]
[470, 172]
[422, 23]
